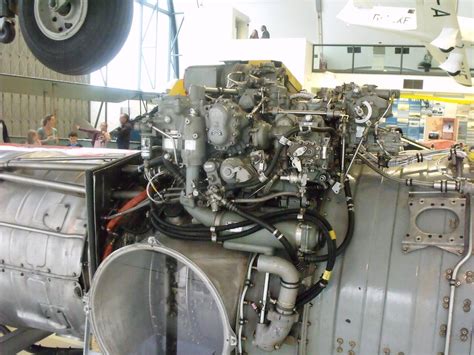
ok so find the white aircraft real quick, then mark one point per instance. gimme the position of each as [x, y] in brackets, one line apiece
[434, 22]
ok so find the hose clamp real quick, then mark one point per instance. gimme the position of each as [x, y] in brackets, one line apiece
[213, 234]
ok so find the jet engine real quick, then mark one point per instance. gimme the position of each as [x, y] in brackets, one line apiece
[256, 218]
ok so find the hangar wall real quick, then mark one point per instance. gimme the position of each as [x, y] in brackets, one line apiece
[24, 112]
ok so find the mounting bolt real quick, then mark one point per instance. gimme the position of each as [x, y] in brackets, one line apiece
[352, 344]
[339, 349]
[340, 341]
[405, 249]
[386, 351]
[464, 331]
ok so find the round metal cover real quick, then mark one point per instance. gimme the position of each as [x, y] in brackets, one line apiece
[149, 299]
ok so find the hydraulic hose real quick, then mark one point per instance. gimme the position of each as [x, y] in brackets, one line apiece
[269, 227]
[323, 281]
[349, 232]
[174, 170]
[202, 233]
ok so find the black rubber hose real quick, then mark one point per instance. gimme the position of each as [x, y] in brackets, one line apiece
[319, 286]
[271, 217]
[175, 235]
[174, 170]
[329, 130]
[349, 232]
[152, 163]
[269, 227]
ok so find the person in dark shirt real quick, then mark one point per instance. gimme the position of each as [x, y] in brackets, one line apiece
[4, 137]
[124, 132]
[265, 33]
[73, 140]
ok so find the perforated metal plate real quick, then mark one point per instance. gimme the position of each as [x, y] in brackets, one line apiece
[436, 221]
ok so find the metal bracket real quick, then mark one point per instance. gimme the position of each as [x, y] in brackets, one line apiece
[450, 239]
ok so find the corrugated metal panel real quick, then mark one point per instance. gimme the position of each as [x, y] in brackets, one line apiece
[381, 300]
[24, 112]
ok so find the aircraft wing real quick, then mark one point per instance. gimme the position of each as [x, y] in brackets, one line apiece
[438, 28]
[454, 63]
[433, 22]
[382, 17]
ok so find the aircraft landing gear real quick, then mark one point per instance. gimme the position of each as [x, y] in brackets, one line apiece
[7, 30]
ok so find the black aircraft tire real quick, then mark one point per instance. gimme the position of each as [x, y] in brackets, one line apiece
[7, 35]
[98, 40]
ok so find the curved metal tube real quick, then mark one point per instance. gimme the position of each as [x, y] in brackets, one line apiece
[390, 177]
[290, 279]
[270, 335]
[266, 198]
[454, 275]
[53, 185]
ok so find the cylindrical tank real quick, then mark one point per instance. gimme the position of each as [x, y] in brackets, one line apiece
[42, 238]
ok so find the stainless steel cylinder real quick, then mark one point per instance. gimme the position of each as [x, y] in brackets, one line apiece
[151, 299]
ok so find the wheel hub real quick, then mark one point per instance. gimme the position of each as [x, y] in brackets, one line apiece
[60, 19]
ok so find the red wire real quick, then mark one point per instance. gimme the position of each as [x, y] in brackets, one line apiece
[112, 224]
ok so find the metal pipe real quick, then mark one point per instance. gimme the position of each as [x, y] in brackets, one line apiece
[354, 157]
[393, 178]
[221, 91]
[172, 142]
[290, 279]
[279, 321]
[53, 185]
[267, 197]
[130, 210]
[454, 275]
[241, 305]
[125, 194]
[40, 231]
[48, 166]
[56, 159]
[264, 297]
[309, 112]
